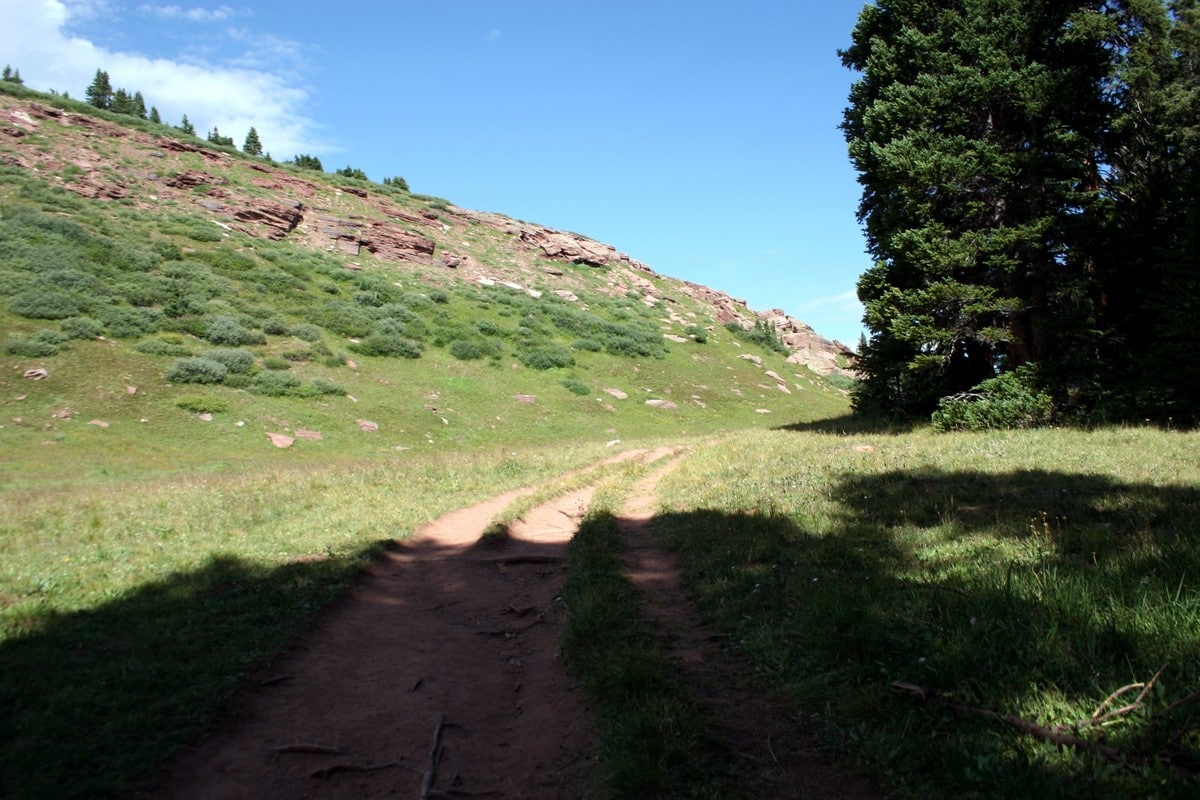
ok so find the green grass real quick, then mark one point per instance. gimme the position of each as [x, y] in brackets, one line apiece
[1031, 574]
[128, 614]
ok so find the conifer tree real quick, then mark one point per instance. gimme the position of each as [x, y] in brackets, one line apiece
[11, 75]
[100, 92]
[252, 146]
[154, 115]
[186, 126]
[138, 105]
[121, 103]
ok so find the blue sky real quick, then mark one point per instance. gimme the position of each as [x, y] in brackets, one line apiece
[698, 137]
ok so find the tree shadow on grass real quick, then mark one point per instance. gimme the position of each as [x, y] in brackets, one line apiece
[1033, 593]
[92, 700]
[851, 425]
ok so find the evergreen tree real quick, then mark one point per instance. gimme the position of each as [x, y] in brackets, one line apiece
[252, 146]
[154, 115]
[186, 126]
[100, 93]
[975, 129]
[397, 181]
[11, 75]
[215, 137]
[121, 103]
[352, 172]
[308, 162]
[138, 105]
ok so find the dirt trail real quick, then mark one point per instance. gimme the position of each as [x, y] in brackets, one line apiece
[450, 643]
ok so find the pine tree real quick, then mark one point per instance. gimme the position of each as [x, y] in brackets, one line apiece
[308, 162]
[11, 75]
[100, 93]
[975, 129]
[138, 105]
[252, 146]
[121, 103]
[186, 126]
[154, 115]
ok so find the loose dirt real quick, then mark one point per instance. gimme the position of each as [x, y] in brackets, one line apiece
[439, 676]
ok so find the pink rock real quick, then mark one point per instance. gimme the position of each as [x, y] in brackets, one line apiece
[279, 440]
[367, 425]
[311, 436]
[99, 423]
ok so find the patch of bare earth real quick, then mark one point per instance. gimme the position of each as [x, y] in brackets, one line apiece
[771, 752]
[438, 677]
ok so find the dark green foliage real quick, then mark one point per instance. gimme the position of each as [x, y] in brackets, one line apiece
[155, 117]
[275, 384]
[439, 296]
[186, 126]
[11, 75]
[235, 360]
[82, 327]
[275, 362]
[1010, 400]
[298, 355]
[397, 182]
[44, 304]
[467, 350]
[43, 343]
[100, 91]
[576, 386]
[763, 334]
[352, 172]
[546, 357]
[216, 138]
[387, 344]
[324, 387]
[253, 145]
[589, 345]
[308, 162]
[698, 334]
[204, 232]
[202, 404]
[124, 322]
[229, 331]
[276, 326]
[197, 370]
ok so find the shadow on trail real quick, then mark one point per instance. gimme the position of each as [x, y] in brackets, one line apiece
[93, 701]
[1006, 589]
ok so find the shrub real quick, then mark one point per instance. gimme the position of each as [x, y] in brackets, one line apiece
[387, 344]
[275, 384]
[41, 344]
[322, 386]
[547, 357]
[197, 370]
[43, 304]
[276, 326]
[763, 333]
[228, 331]
[274, 362]
[440, 297]
[199, 404]
[237, 361]
[162, 347]
[82, 327]
[124, 322]
[576, 386]
[1011, 400]
[466, 350]
[237, 380]
[590, 345]
[698, 334]
[298, 355]
[335, 360]
[487, 327]
[204, 232]
[306, 331]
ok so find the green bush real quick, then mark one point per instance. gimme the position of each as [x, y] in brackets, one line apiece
[322, 386]
[43, 304]
[275, 362]
[487, 327]
[467, 350]
[236, 361]
[576, 386]
[548, 357]
[275, 384]
[1011, 400]
[199, 404]
[125, 322]
[276, 326]
[440, 297]
[162, 347]
[82, 327]
[204, 232]
[387, 344]
[197, 370]
[298, 355]
[237, 380]
[43, 343]
[229, 331]
[306, 331]
[698, 334]
[590, 345]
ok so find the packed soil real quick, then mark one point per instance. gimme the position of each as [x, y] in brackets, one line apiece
[439, 676]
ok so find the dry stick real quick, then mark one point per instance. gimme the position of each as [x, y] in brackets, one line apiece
[334, 769]
[434, 757]
[1178, 704]
[1097, 719]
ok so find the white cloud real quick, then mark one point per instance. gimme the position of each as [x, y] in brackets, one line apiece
[218, 14]
[232, 96]
[845, 302]
[494, 35]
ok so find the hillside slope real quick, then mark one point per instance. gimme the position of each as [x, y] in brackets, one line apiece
[337, 308]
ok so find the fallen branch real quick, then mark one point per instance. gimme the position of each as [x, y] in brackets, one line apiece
[1098, 719]
[334, 769]
[435, 755]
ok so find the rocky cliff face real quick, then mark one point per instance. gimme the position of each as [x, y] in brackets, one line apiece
[265, 200]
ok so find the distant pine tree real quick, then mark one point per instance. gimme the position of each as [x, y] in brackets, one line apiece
[11, 75]
[138, 105]
[186, 126]
[121, 103]
[154, 117]
[100, 92]
[397, 181]
[308, 162]
[253, 146]
[215, 137]
[352, 172]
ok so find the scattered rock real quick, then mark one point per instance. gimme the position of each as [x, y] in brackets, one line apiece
[310, 436]
[665, 405]
[762, 411]
[130, 390]
[525, 398]
[280, 440]
[62, 413]
[36, 374]
[773, 374]
[205, 417]
[20, 397]
[612, 443]
[99, 423]
[191, 178]
[617, 393]
[671, 337]
[367, 425]
[753, 359]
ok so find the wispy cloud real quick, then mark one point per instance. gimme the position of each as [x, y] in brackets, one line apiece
[494, 35]
[218, 14]
[843, 302]
[232, 93]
